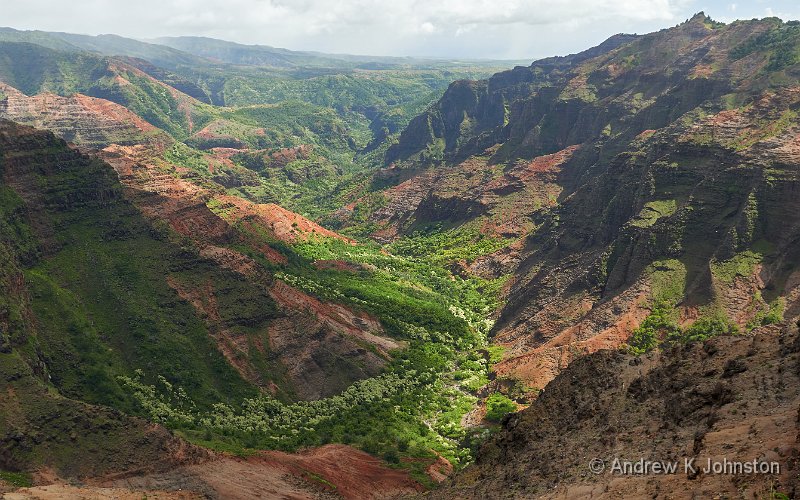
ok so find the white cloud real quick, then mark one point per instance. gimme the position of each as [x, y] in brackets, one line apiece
[427, 27]
[421, 27]
[462, 28]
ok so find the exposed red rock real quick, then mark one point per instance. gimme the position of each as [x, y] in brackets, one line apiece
[314, 335]
[157, 189]
[283, 224]
[332, 471]
[235, 347]
[81, 119]
[284, 156]
[440, 470]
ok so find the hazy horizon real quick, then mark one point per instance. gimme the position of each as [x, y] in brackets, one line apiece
[467, 29]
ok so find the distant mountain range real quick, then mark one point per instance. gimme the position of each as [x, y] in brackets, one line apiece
[175, 52]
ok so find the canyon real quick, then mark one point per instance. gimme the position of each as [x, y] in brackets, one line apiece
[214, 288]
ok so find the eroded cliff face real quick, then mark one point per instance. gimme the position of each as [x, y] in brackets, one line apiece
[733, 398]
[475, 115]
[119, 122]
[656, 169]
[616, 90]
[38, 427]
[665, 224]
[80, 119]
[307, 351]
[319, 347]
[94, 272]
[271, 337]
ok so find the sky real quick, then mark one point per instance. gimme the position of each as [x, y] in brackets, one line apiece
[475, 29]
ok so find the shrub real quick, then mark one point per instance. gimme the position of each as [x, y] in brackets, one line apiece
[775, 314]
[496, 353]
[498, 406]
[705, 328]
[658, 325]
[16, 479]
[371, 446]
[392, 457]
[772, 315]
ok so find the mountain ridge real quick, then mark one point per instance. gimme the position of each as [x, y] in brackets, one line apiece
[596, 176]
[371, 259]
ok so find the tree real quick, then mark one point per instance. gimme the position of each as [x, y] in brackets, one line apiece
[498, 406]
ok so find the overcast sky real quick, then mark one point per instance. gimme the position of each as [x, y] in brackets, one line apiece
[510, 29]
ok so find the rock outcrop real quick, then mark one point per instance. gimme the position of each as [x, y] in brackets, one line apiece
[731, 398]
[84, 120]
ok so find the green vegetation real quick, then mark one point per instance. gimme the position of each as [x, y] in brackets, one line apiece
[653, 211]
[291, 123]
[658, 326]
[770, 315]
[742, 264]
[64, 428]
[660, 329]
[496, 353]
[461, 300]
[584, 92]
[125, 309]
[751, 216]
[440, 246]
[765, 128]
[114, 332]
[707, 327]
[16, 479]
[498, 406]
[152, 101]
[380, 415]
[667, 281]
[415, 407]
[348, 110]
[780, 43]
[775, 313]
[32, 69]
[344, 110]
[102, 305]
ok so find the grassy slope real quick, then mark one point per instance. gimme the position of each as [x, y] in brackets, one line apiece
[99, 296]
[33, 69]
[39, 426]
